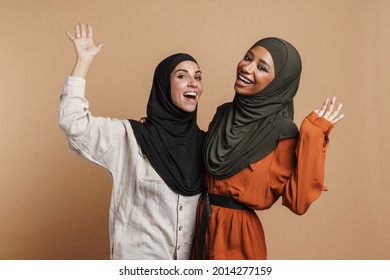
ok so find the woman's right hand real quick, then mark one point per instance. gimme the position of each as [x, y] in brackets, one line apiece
[85, 49]
[83, 42]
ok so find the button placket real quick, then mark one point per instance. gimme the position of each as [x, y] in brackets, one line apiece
[180, 214]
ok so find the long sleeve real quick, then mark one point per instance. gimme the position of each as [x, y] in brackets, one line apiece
[297, 170]
[100, 140]
[147, 220]
[293, 171]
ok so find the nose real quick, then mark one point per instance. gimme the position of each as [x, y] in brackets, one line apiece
[249, 67]
[192, 83]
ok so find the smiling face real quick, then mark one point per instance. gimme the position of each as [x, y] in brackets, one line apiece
[186, 85]
[254, 72]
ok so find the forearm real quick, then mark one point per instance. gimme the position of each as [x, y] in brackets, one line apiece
[81, 67]
[73, 110]
[307, 181]
[100, 140]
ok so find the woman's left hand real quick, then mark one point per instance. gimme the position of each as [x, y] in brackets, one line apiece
[328, 113]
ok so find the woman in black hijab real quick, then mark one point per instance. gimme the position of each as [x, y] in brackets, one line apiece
[170, 137]
[254, 154]
[156, 166]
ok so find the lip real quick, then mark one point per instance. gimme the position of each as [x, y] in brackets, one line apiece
[243, 80]
[195, 99]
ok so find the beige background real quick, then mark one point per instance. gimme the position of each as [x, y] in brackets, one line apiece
[54, 205]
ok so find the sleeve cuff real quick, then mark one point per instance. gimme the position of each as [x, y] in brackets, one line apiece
[75, 81]
[74, 86]
[321, 122]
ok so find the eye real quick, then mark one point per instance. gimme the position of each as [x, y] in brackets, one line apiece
[199, 78]
[181, 76]
[262, 68]
[247, 58]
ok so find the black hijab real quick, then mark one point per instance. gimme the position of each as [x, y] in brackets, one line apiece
[250, 127]
[170, 137]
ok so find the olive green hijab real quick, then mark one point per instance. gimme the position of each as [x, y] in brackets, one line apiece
[250, 127]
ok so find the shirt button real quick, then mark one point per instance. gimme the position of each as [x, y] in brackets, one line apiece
[178, 247]
[180, 207]
[180, 228]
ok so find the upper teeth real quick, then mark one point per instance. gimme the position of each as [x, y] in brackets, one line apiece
[245, 80]
[190, 93]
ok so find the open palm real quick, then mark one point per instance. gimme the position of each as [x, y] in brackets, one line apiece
[327, 111]
[83, 41]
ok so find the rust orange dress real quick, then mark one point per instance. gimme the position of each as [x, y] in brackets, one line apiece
[293, 171]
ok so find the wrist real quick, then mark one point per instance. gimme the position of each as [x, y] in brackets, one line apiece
[87, 60]
[81, 67]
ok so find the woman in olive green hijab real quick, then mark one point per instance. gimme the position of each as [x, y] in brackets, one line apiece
[254, 154]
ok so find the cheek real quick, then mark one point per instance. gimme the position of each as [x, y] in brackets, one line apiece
[174, 97]
[176, 86]
[240, 64]
[200, 88]
[175, 90]
[263, 80]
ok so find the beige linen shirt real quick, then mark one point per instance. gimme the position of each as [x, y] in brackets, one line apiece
[147, 220]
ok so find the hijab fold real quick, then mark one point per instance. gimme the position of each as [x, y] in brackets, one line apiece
[170, 137]
[250, 127]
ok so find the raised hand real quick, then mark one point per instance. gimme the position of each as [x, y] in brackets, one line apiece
[83, 41]
[85, 49]
[327, 111]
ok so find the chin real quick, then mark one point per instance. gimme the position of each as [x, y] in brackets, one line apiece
[188, 110]
[240, 91]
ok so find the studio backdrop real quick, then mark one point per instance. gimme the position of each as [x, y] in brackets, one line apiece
[54, 204]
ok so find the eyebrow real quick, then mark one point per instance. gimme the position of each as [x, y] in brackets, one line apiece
[184, 70]
[261, 60]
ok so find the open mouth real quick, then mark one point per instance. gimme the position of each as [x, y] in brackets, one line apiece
[244, 80]
[190, 95]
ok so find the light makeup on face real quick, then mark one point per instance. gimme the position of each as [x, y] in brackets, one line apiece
[262, 66]
[254, 72]
[186, 86]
